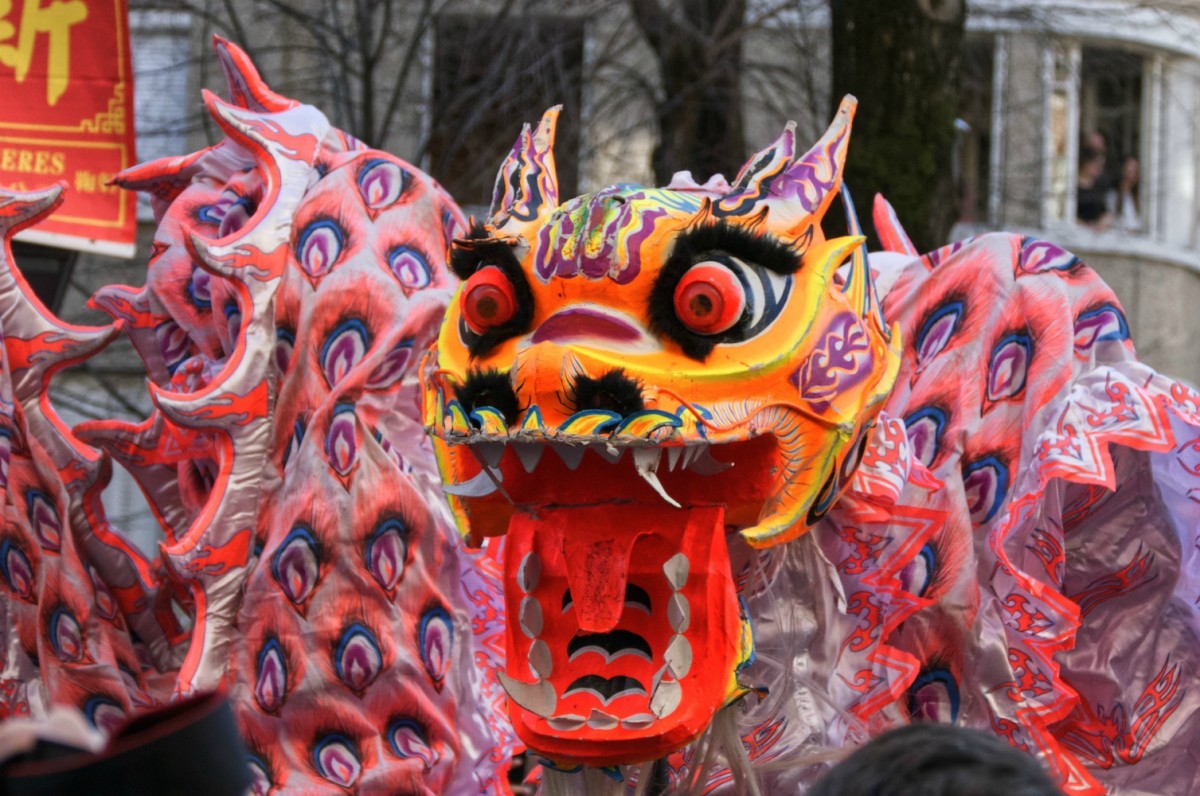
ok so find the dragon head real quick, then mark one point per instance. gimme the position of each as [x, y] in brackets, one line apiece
[624, 378]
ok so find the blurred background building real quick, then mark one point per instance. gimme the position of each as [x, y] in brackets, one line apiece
[1073, 120]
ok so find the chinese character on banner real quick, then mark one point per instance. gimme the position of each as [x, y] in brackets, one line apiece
[67, 115]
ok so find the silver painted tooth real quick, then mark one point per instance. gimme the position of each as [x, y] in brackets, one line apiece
[666, 698]
[489, 454]
[571, 455]
[599, 720]
[704, 464]
[645, 461]
[638, 721]
[529, 572]
[651, 478]
[531, 616]
[676, 570]
[678, 656]
[539, 658]
[480, 485]
[679, 613]
[609, 452]
[689, 451]
[673, 454]
[538, 698]
[530, 453]
[568, 721]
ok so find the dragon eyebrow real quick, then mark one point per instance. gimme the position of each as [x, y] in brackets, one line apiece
[759, 248]
[467, 253]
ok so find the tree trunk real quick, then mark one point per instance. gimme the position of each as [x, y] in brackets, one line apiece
[699, 55]
[901, 59]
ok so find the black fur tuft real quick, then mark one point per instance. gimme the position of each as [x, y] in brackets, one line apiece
[488, 388]
[613, 391]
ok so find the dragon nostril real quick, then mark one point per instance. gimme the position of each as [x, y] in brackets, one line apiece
[614, 391]
[488, 388]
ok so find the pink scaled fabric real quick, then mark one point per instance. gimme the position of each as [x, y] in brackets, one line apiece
[309, 563]
[1018, 551]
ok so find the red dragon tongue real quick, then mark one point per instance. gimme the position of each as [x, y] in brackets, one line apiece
[597, 573]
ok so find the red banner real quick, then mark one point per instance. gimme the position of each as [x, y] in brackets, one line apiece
[66, 113]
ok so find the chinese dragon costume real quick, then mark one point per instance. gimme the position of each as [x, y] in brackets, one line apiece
[309, 564]
[753, 506]
[750, 493]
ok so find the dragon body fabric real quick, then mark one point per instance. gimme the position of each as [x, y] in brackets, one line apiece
[751, 510]
[309, 564]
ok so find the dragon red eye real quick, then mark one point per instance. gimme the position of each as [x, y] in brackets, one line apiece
[709, 299]
[487, 300]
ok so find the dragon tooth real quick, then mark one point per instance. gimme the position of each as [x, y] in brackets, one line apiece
[703, 463]
[679, 613]
[638, 721]
[529, 572]
[529, 453]
[489, 454]
[689, 452]
[483, 484]
[645, 460]
[678, 656]
[531, 616]
[609, 452]
[539, 658]
[566, 722]
[676, 570]
[538, 698]
[667, 696]
[599, 720]
[673, 454]
[571, 455]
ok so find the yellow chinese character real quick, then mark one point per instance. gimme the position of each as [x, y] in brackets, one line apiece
[55, 20]
[85, 182]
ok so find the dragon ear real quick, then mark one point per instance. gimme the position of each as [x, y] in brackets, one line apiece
[816, 177]
[246, 89]
[527, 185]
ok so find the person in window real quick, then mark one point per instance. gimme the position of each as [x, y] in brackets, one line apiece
[1091, 198]
[1123, 200]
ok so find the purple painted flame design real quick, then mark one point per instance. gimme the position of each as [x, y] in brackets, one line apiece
[285, 343]
[1039, 255]
[436, 642]
[381, 183]
[319, 246]
[410, 267]
[18, 572]
[106, 605]
[387, 553]
[174, 344]
[270, 689]
[1105, 322]
[44, 519]
[346, 346]
[341, 442]
[200, 288]
[393, 366]
[104, 713]
[1008, 368]
[840, 360]
[937, 330]
[358, 659]
[66, 637]
[336, 760]
[296, 566]
[407, 739]
[925, 428]
[985, 483]
[260, 780]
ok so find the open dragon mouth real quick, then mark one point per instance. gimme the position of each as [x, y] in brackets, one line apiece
[624, 631]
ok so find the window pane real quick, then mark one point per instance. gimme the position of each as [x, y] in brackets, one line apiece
[1110, 124]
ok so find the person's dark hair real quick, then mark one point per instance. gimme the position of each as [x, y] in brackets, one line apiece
[936, 760]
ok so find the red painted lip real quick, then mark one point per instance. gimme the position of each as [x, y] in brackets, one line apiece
[579, 323]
